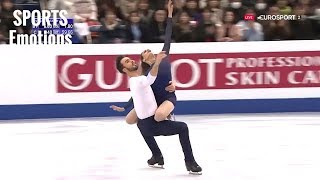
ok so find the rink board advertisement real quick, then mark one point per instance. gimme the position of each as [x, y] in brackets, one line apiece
[198, 71]
[81, 80]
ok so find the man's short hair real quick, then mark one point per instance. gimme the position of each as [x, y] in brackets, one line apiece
[119, 65]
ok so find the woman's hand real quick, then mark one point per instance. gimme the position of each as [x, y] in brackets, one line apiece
[117, 108]
[171, 87]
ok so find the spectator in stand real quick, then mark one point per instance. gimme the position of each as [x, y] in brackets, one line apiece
[157, 4]
[306, 5]
[284, 9]
[316, 20]
[192, 8]
[144, 12]
[184, 30]
[251, 30]
[7, 18]
[292, 3]
[178, 6]
[136, 31]
[207, 16]
[2, 38]
[276, 30]
[84, 10]
[216, 11]
[112, 30]
[71, 6]
[228, 31]
[128, 6]
[202, 3]
[109, 5]
[238, 9]
[1, 18]
[225, 4]
[261, 7]
[206, 30]
[302, 28]
[62, 5]
[157, 26]
[249, 3]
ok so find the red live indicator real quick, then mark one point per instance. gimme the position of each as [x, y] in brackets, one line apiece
[249, 17]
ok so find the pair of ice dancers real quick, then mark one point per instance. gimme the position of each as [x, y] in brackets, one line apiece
[154, 100]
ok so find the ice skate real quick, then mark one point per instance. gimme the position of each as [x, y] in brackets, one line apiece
[156, 162]
[193, 168]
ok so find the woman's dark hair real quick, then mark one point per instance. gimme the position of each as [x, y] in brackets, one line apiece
[144, 66]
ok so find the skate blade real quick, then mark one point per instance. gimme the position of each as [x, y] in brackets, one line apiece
[157, 166]
[195, 173]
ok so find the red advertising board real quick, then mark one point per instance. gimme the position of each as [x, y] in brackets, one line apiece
[97, 73]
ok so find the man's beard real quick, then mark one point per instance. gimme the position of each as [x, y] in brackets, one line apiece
[133, 68]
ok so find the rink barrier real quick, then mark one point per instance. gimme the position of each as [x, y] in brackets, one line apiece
[82, 110]
[212, 78]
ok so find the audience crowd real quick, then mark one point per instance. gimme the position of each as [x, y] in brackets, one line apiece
[144, 21]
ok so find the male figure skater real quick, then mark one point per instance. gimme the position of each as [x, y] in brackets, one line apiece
[145, 107]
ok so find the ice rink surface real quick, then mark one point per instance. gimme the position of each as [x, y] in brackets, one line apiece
[227, 147]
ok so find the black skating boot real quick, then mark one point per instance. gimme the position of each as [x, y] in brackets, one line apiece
[156, 162]
[193, 168]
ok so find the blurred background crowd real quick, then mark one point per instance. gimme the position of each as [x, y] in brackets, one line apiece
[144, 21]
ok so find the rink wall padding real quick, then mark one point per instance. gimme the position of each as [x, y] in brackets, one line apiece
[81, 110]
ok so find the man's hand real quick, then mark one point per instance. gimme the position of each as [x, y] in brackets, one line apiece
[171, 87]
[160, 56]
[117, 108]
[170, 8]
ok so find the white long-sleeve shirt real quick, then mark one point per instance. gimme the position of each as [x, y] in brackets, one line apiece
[142, 95]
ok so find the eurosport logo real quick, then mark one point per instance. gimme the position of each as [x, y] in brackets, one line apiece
[278, 17]
[97, 73]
